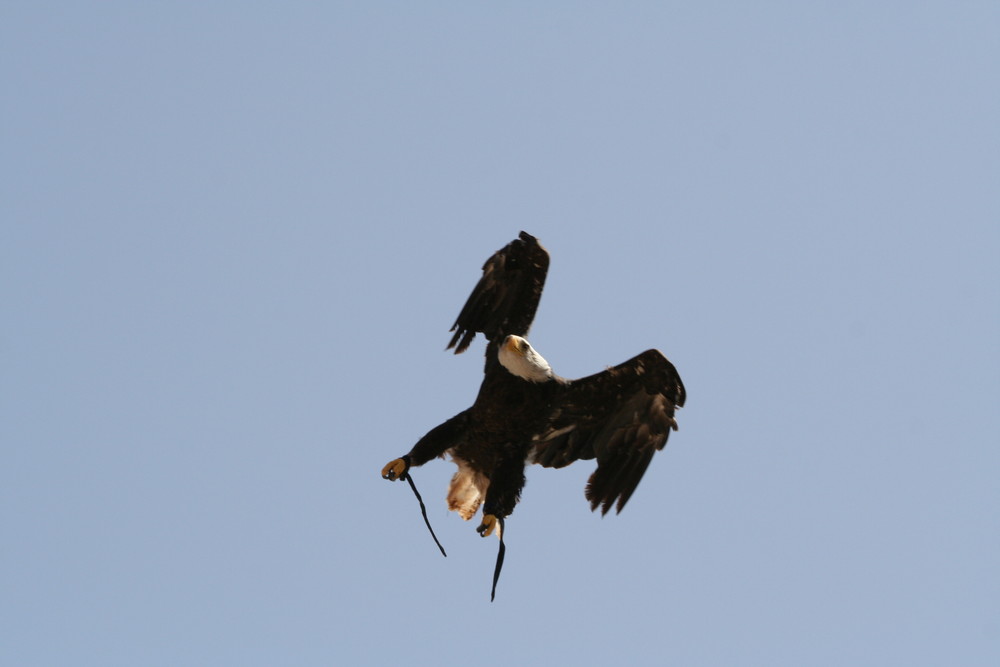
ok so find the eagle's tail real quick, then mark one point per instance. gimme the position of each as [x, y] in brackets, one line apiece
[467, 490]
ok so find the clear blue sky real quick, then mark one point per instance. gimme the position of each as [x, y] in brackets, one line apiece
[234, 238]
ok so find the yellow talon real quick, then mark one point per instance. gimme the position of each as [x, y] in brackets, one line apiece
[394, 469]
[486, 527]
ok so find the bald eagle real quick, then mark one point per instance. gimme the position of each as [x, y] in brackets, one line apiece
[525, 413]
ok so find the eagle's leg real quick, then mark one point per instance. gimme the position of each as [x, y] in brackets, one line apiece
[502, 495]
[435, 443]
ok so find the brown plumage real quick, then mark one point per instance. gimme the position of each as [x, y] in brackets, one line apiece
[525, 413]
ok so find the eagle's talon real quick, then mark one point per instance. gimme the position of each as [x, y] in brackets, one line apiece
[485, 529]
[395, 469]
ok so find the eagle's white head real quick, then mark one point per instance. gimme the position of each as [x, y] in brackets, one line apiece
[518, 357]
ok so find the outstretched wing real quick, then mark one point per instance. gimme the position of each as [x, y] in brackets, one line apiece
[621, 417]
[506, 297]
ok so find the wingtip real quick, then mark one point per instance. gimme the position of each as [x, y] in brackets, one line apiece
[605, 504]
[461, 340]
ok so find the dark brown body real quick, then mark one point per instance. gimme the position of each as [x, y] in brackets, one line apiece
[491, 441]
[620, 416]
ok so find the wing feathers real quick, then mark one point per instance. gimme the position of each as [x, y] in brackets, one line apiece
[621, 417]
[506, 297]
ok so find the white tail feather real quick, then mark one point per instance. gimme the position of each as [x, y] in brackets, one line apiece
[467, 490]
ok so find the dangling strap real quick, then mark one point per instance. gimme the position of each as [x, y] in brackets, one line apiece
[496, 572]
[423, 510]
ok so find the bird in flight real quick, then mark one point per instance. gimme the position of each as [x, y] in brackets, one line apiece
[525, 413]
